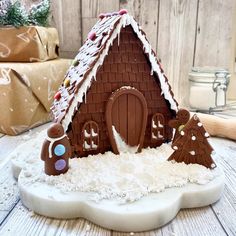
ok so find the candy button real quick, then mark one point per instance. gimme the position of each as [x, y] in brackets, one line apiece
[92, 36]
[67, 83]
[60, 164]
[60, 150]
[57, 96]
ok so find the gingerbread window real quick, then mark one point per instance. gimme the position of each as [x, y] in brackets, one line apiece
[158, 127]
[90, 136]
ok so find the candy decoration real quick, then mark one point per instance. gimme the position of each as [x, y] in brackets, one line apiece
[123, 11]
[67, 83]
[56, 151]
[60, 150]
[92, 36]
[57, 96]
[75, 62]
[60, 164]
[102, 15]
[108, 14]
[180, 127]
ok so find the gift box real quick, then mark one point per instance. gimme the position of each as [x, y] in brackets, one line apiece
[26, 93]
[28, 44]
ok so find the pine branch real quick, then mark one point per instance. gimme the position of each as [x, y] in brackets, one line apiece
[39, 14]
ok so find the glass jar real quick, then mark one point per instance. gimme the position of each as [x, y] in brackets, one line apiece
[208, 87]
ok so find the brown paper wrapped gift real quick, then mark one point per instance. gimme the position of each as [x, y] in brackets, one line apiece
[28, 44]
[26, 93]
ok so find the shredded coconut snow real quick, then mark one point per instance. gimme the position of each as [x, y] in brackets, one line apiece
[126, 177]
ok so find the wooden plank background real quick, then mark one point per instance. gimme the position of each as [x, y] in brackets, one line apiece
[184, 33]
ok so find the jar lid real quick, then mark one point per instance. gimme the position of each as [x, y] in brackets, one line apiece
[208, 74]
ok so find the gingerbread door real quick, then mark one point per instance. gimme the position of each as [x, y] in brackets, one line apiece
[126, 117]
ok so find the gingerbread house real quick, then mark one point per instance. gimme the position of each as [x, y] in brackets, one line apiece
[115, 95]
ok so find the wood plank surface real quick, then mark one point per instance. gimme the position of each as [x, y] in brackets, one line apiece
[176, 35]
[225, 209]
[67, 19]
[91, 10]
[214, 37]
[146, 13]
[197, 222]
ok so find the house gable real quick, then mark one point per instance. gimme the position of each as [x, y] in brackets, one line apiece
[125, 65]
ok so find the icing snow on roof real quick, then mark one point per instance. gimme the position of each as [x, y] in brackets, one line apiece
[91, 56]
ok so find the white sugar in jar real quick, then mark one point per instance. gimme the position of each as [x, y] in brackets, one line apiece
[208, 87]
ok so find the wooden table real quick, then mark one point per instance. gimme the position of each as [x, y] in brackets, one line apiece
[215, 220]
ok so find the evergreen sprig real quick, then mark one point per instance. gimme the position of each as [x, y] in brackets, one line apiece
[39, 14]
[16, 15]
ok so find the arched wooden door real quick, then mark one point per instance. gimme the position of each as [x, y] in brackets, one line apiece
[126, 115]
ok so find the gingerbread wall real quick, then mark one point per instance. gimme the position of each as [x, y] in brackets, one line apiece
[126, 65]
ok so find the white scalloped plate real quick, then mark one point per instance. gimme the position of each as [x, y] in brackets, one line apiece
[147, 213]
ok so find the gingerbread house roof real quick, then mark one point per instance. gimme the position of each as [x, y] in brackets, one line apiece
[90, 57]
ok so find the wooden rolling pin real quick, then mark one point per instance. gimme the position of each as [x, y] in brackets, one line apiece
[217, 126]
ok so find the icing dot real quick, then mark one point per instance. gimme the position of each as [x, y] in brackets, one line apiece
[192, 153]
[60, 164]
[193, 137]
[206, 135]
[60, 150]
[175, 148]
[182, 133]
[199, 124]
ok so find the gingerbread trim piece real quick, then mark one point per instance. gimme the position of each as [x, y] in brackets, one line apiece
[142, 118]
[192, 147]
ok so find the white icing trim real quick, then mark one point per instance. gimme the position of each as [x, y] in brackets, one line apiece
[86, 134]
[94, 134]
[153, 125]
[52, 141]
[160, 125]
[124, 21]
[159, 135]
[86, 145]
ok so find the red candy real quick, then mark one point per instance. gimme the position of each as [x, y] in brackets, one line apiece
[102, 15]
[92, 36]
[123, 11]
[57, 96]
